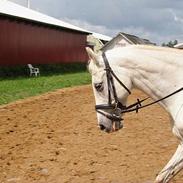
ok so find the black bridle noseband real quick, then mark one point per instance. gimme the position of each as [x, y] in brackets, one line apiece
[117, 107]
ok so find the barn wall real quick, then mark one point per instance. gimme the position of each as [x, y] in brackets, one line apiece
[24, 42]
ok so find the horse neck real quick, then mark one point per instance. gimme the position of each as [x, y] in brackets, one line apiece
[152, 79]
[156, 78]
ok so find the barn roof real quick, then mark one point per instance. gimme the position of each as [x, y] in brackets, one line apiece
[13, 9]
[134, 39]
[101, 36]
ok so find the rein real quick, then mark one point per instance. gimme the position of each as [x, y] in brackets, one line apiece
[137, 107]
[117, 107]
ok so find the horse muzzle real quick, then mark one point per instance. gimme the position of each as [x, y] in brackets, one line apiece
[117, 125]
[114, 117]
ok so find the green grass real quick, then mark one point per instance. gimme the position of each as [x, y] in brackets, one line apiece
[22, 87]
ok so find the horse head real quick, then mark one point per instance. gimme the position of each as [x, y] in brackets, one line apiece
[110, 97]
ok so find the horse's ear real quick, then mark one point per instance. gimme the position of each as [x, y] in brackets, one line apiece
[92, 55]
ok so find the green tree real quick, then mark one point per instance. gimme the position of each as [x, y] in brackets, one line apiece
[170, 44]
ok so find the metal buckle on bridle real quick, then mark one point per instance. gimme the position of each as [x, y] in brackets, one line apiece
[117, 112]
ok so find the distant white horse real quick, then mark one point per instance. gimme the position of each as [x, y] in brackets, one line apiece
[157, 71]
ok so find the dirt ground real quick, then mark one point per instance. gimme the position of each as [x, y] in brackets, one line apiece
[53, 138]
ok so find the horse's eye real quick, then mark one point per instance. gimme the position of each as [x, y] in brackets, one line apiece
[99, 86]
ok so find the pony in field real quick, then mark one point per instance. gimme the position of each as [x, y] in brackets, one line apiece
[157, 71]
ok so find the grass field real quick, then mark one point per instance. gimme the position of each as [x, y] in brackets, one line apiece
[22, 87]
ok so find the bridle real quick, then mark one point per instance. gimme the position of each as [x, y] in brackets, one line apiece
[117, 108]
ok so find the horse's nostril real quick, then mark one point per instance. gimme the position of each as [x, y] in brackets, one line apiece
[102, 127]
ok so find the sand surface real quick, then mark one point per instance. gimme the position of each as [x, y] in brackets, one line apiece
[53, 138]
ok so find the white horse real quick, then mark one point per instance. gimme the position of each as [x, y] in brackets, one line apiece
[157, 71]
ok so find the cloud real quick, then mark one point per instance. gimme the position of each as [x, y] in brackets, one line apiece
[176, 18]
[145, 18]
[91, 27]
[139, 31]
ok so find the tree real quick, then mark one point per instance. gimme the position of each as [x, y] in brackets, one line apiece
[170, 44]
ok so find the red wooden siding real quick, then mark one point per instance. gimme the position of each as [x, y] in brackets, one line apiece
[24, 42]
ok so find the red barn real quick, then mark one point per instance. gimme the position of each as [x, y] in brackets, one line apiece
[27, 36]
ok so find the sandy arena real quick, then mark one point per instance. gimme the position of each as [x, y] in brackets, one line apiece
[53, 138]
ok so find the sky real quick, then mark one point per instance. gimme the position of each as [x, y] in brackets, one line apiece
[157, 20]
